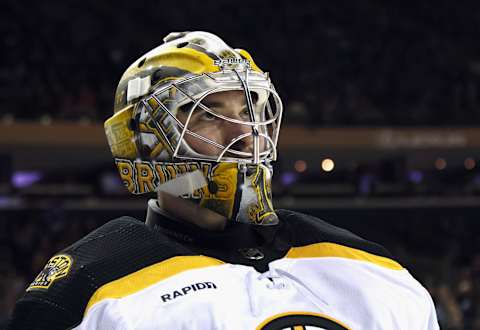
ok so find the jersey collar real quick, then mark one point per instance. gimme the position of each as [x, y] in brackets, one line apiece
[235, 235]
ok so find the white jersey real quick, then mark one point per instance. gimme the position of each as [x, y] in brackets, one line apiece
[328, 286]
[323, 285]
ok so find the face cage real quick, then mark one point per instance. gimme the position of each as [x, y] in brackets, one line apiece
[224, 82]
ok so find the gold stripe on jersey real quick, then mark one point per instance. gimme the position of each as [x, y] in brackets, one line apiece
[324, 250]
[148, 276]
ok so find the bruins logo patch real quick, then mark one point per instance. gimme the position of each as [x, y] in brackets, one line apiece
[301, 321]
[56, 268]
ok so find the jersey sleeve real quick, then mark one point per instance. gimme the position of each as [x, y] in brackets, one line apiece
[59, 295]
[31, 313]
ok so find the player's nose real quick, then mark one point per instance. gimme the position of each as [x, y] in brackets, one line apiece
[234, 131]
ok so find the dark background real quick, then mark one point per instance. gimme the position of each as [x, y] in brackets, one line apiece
[349, 63]
[388, 90]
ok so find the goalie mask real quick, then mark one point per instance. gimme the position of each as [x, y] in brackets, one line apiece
[198, 120]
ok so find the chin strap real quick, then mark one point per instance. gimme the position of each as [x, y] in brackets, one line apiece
[184, 184]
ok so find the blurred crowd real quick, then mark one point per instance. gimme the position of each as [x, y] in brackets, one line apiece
[335, 63]
[441, 251]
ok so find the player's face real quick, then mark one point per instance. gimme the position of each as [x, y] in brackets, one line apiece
[231, 104]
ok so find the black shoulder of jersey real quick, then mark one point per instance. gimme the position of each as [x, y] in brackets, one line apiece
[306, 229]
[116, 249]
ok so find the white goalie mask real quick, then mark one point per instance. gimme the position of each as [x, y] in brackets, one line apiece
[199, 120]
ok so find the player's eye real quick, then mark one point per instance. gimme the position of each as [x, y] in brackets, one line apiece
[206, 116]
[245, 114]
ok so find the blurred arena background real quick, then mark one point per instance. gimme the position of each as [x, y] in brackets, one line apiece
[381, 132]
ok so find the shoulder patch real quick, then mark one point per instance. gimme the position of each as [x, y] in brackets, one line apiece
[56, 268]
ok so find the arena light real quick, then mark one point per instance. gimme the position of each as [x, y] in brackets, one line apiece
[328, 165]
[23, 179]
[469, 163]
[415, 176]
[288, 178]
[440, 164]
[300, 166]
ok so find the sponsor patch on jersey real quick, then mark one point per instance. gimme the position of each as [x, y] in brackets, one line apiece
[56, 268]
[187, 290]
